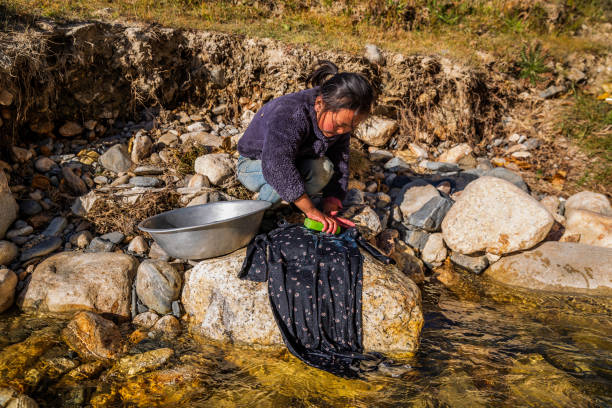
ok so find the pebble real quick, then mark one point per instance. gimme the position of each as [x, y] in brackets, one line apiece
[74, 182]
[81, 239]
[439, 166]
[167, 326]
[552, 91]
[138, 245]
[116, 159]
[354, 197]
[42, 248]
[29, 207]
[198, 180]
[100, 180]
[115, 237]
[157, 252]
[8, 252]
[148, 171]
[23, 231]
[475, 264]
[141, 148]
[44, 164]
[145, 320]
[143, 181]
[55, 227]
[100, 245]
[396, 164]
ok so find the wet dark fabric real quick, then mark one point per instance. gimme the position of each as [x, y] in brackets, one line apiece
[314, 286]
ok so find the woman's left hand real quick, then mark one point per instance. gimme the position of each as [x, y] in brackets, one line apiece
[331, 206]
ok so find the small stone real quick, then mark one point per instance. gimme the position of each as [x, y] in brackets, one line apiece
[372, 187]
[44, 164]
[475, 264]
[434, 251]
[418, 151]
[100, 245]
[74, 182]
[379, 154]
[92, 337]
[167, 327]
[198, 180]
[430, 216]
[219, 110]
[42, 248]
[532, 143]
[115, 237]
[198, 127]
[176, 309]
[116, 159]
[168, 139]
[138, 245]
[29, 207]
[202, 138]
[408, 263]
[135, 364]
[8, 252]
[158, 284]
[439, 166]
[141, 148]
[521, 155]
[396, 164]
[143, 181]
[145, 320]
[455, 154]
[416, 238]
[376, 131]
[70, 129]
[6, 98]
[81, 239]
[483, 164]
[56, 227]
[21, 155]
[100, 180]
[218, 167]
[8, 283]
[199, 200]
[552, 91]
[157, 252]
[353, 197]
[19, 232]
[148, 171]
[83, 204]
[367, 222]
[124, 179]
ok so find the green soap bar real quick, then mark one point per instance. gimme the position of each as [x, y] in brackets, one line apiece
[316, 225]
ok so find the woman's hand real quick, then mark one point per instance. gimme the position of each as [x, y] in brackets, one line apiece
[330, 221]
[330, 224]
[331, 206]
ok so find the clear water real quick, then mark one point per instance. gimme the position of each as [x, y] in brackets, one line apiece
[474, 352]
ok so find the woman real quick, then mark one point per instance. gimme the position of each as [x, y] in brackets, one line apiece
[297, 145]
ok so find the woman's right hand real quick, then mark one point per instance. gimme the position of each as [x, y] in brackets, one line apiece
[330, 224]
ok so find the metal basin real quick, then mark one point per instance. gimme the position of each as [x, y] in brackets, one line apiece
[207, 230]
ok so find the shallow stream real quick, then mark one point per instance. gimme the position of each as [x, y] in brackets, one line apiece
[473, 353]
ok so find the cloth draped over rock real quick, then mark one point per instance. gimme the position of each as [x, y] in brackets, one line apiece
[314, 286]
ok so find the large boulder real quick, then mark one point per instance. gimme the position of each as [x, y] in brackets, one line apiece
[70, 281]
[495, 216]
[588, 227]
[560, 267]
[8, 205]
[223, 307]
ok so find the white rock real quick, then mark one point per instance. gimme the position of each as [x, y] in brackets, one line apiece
[223, 307]
[367, 222]
[415, 198]
[418, 151]
[373, 54]
[495, 216]
[70, 281]
[158, 284]
[376, 131]
[145, 320]
[561, 267]
[456, 153]
[434, 251]
[8, 282]
[218, 167]
[589, 227]
[138, 245]
[588, 200]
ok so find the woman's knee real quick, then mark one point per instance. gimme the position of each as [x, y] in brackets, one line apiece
[317, 173]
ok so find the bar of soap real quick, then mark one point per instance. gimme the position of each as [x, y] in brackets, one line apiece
[316, 225]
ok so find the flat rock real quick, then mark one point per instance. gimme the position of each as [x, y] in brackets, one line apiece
[139, 363]
[397, 163]
[144, 181]
[588, 200]
[379, 154]
[148, 171]
[376, 131]
[223, 307]
[92, 337]
[8, 282]
[563, 267]
[495, 216]
[439, 166]
[72, 281]
[44, 247]
[158, 284]
[218, 167]
[8, 252]
[589, 227]
[55, 227]
[116, 159]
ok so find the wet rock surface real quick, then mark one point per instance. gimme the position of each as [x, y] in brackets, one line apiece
[92, 337]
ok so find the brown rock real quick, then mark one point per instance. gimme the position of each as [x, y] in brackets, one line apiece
[70, 129]
[92, 337]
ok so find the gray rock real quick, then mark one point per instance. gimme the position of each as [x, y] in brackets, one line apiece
[531, 143]
[558, 267]
[157, 252]
[380, 155]
[439, 166]
[158, 284]
[44, 164]
[116, 159]
[148, 171]
[353, 197]
[434, 251]
[416, 238]
[430, 216]
[8, 252]
[367, 222]
[414, 196]
[8, 282]
[552, 91]
[475, 264]
[29, 207]
[198, 127]
[221, 306]
[508, 175]
[115, 237]
[176, 309]
[143, 181]
[100, 245]
[72, 281]
[83, 204]
[42, 248]
[396, 164]
[55, 227]
[218, 167]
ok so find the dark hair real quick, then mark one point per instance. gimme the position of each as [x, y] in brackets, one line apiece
[343, 90]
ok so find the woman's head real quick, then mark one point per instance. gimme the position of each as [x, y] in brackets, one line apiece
[344, 98]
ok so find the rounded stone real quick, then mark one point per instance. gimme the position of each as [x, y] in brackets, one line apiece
[588, 200]
[44, 164]
[8, 252]
[8, 282]
[158, 283]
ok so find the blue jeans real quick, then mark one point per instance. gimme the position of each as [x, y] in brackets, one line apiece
[316, 173]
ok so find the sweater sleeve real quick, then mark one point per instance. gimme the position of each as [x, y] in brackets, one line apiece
[279, 153]
[338, 154]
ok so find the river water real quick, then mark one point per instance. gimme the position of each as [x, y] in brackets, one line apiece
[475, 352]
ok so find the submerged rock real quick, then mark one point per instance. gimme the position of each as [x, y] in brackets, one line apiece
[223, 307]
[140, 363]
[92, 337]
[495, 216]
[71, 281]
[10, 398]
[561, 267]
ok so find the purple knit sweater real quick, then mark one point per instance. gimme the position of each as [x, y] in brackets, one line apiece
[284, 131]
